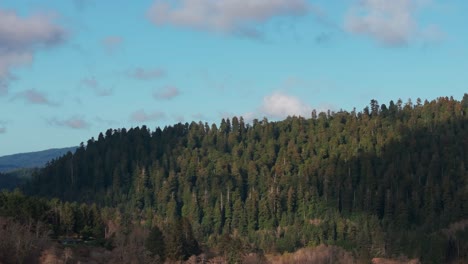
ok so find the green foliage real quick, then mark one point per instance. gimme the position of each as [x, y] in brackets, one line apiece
[374, 182]
[64, 219]
[179, 240]
[155, 243]
[231, 248]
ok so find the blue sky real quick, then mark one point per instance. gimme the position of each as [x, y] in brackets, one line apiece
[70, 69]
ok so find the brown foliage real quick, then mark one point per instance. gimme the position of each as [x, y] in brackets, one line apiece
[392, 261]
[217, 260]
[320, 255]
[131, 248]
[21, 243]
[455, 227]
[254, 258]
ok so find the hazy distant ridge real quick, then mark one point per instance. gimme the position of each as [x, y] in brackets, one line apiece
[31, 159]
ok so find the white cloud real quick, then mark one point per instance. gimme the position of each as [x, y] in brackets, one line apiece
[73, 122]
[392, 23]
[281, 105]
[20, 38]
[166, 93]
[227, 16]
[142, 116]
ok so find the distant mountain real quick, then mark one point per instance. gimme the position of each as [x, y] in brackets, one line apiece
[31, 159]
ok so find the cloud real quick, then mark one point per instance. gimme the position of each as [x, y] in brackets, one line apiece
[142, 116]
[166, 93]
[2, 128]
[73, 122]
[81, 4]
[281, 105]
[178, 118]
[143, 74]
[35, 97]
[90, 82]
[93, 84]
[323, 38]
[199, 116]
[227, 16]
[20, 38]
[391, 23]
[108, 122]
[112, 43]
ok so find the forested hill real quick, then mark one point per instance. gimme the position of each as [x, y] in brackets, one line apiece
[384, 180]
[31, 159]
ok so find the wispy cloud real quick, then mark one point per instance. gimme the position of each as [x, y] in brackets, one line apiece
[167, 93]
[33, 96]
[93, 84]
[20, 38]
[323, 38]
[112, 43]
[90, 82]
[391, 23]
[72, 122]
[3, 128]
[81, 4]
[142, 116]
[108, 122]
[199, 116]
[146, 74]
[227, 16]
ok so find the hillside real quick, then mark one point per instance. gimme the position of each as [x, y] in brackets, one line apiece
[382, 182]
[31, 159]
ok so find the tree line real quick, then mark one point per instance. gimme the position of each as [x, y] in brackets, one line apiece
[383, 181]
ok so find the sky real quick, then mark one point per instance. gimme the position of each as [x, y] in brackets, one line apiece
[70, 69]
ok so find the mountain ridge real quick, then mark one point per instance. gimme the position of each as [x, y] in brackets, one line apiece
[32, 159]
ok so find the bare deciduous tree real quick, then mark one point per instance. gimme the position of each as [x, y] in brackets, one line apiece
[21, 243]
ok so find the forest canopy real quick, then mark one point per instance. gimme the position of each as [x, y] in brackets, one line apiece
[382, 182]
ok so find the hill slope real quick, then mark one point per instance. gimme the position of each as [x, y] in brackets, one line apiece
[381, 182]
[31, 159]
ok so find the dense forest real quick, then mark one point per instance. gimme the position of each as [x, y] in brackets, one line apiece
[387, 181]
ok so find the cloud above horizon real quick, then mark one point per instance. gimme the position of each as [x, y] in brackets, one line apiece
[112, 43]
[146, 74]
[167, 93]
[392, 23]
[74, 122]
[81, 4]
[282, 105]
[3, 128]
[227, 16]
[33, 96]
[93, 84]
[141, 116]
[20, 38]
